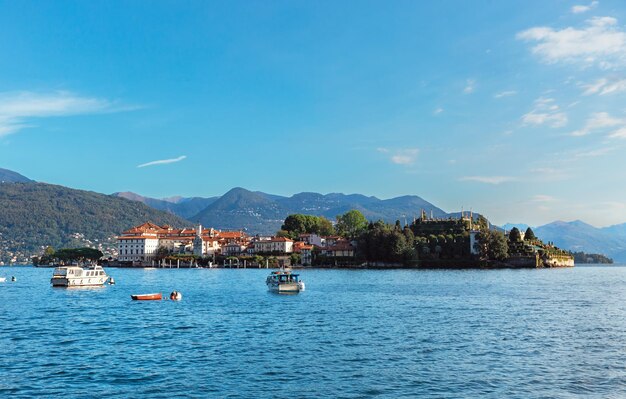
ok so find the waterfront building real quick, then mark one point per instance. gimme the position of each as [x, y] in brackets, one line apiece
[141, 243]
[311, 239]
[274, 244]
[306, 252]
[340, 248]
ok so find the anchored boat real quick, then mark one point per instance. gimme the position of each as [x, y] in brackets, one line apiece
[76, 276]
[147, 297]
[284, 281]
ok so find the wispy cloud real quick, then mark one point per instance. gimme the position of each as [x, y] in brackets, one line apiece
[438, 111]
[470, 86]
[507, 93]
[579, 9]
[600, 42]
[162, 161]
[619, 133]
[594, 153]
[19, 109]
[545, 111]
[489, 179]
[605, 86]
[548, 174]
[543, 198]
[406, 156]
[598, 121]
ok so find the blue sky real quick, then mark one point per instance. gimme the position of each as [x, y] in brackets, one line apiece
[513, 108]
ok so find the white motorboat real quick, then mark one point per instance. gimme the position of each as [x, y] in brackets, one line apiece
[76, 276]
[3, 279]
[284, 281]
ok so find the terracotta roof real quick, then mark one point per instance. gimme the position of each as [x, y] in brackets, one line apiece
[136, 238]
[280, 239]
[341, 246]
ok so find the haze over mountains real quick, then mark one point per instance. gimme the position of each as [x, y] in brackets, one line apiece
[42, 214]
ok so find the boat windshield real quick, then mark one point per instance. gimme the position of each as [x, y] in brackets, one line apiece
[60, 271]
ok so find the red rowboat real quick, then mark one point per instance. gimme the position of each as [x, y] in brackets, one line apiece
[147, 297]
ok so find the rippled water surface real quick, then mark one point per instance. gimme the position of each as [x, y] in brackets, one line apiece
[352, 334]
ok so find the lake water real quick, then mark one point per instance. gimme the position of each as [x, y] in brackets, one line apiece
[557, 333]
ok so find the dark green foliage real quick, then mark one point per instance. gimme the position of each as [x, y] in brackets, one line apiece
[36, 214]
[529, 235]
[351, 224]
[515, 235]
[300, 224]
[382, 242]
[492, 245]
[69, 255]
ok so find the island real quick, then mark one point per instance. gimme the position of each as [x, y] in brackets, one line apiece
[466, 241]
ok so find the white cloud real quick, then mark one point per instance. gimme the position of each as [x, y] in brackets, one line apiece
[162, 161]
[598, 121]
[545, 111]
[579, 9]
[507, 93]
[405, 156]
[488, 179]
[438, 111]
[470, 86]
[17, 109]
[619, 133]
[605, 86]
[600, 42]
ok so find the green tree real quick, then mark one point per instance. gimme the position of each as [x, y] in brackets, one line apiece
[283, 233]
[325, 227]
[49, 251]
[492, 245]
[295, 259]
[351, 224]
[515, 235]
[297, 224]
[530, 235]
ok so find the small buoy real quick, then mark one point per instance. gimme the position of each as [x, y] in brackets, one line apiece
[176, 296]
[13, 278]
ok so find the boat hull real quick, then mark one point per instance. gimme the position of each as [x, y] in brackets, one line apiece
[284, 287]
[147, 297]
[78, 282]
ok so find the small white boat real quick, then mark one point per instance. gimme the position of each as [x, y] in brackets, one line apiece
[76, 276]
[3, 279]
[284, 281]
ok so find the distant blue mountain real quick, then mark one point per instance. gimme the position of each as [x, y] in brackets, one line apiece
[580, 236]
[8, 176]
[262, 213]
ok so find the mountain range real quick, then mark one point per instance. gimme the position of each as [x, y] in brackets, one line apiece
[580, 236]
[35, 215]
[258, 212]
[262, 213]
[39, 214]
